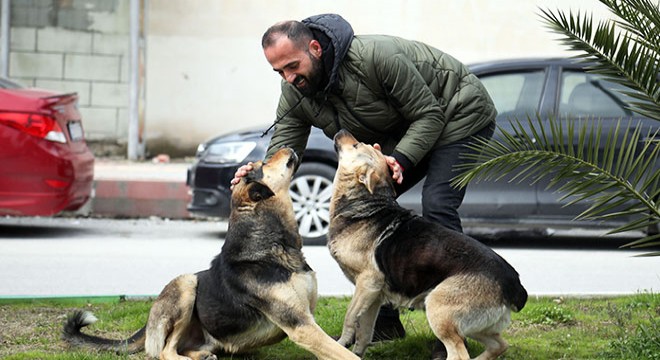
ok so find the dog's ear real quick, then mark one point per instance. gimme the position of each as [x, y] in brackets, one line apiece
[259, 192]
[369, 179]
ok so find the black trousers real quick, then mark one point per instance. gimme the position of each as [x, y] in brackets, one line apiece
[440, 200]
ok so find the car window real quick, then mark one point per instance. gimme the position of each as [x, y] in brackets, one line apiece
[584, 94]
[516, 95]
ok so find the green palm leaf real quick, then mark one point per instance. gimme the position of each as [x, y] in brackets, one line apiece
[615, 183]
[624, 51]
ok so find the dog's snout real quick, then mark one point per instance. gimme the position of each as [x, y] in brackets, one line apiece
[341, 133]
[343, 137]
[284, 154]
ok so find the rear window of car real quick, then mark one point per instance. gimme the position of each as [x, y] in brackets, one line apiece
[8, 84]
[515, 94]
[589, 95]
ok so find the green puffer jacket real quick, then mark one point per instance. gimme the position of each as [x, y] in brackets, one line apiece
[404, 95]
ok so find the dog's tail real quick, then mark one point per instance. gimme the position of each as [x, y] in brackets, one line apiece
[79, 319]
[516, 295]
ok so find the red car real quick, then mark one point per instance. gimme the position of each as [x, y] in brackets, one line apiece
[45, 164]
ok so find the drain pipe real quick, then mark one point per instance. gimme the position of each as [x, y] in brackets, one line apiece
[4, 38]
[137, 79]
[134, 82]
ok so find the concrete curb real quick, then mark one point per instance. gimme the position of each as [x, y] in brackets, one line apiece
[139, 189]
[140, 198]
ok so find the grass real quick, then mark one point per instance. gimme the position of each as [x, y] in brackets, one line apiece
[626, 327]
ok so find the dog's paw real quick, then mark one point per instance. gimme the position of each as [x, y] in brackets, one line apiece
[198, 355]
[346, 341]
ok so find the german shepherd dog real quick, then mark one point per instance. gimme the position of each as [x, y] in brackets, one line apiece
[395, 256]
[258, 290]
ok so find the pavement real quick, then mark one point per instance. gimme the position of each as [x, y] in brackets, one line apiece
[124, 188]
[144, 189]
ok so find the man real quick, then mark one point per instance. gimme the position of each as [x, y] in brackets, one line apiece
[419, 104]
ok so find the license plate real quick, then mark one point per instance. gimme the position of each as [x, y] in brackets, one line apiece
[75, 130]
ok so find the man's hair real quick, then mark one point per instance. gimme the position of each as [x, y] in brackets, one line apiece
[296, 31]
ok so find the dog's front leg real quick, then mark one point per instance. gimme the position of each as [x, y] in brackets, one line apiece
[367, 295]
[365, 330]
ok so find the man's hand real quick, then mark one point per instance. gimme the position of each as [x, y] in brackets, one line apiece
[240, 172]
[395, 167]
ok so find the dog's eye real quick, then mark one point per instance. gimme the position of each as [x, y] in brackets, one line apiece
[355, 146]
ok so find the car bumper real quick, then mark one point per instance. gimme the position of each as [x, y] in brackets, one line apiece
[209, 202]
[209, 196]
[49, 179]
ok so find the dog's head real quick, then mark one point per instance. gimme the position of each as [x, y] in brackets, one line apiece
[360, 164]
[267, 185]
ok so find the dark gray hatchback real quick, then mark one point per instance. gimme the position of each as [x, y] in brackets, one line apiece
[520, 88]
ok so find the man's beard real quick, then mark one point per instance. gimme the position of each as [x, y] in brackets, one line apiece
[314, 81]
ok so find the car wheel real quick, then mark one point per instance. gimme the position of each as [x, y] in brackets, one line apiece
[311, 190]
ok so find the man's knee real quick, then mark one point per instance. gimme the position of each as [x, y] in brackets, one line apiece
[442, 213]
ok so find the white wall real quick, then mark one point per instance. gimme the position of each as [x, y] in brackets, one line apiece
[206, 73]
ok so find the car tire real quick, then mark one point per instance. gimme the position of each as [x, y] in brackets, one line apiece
[311, 190]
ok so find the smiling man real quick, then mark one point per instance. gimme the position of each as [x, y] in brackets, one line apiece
[297, 63]
[421, 105]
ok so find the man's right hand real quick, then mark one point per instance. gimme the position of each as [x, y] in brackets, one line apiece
[240, 172]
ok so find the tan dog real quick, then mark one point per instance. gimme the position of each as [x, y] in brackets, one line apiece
[394, 256]
[258, 290]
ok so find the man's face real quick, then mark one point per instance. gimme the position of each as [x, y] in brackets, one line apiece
[301, 68]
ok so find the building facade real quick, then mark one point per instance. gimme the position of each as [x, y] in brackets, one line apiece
[204, 73]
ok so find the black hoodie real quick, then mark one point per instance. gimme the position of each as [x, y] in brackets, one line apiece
[335, 35]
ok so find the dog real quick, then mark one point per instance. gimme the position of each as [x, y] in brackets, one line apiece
[395, 256]
[257, 291]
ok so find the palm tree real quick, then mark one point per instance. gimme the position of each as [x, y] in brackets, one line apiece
[625, 50]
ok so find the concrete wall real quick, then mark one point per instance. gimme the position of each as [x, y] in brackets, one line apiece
[205, 71]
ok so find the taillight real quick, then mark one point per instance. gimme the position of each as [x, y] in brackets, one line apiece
[57, 184]
[41, 126]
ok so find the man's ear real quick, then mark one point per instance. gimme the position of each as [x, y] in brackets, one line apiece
[315, 48]
[258, 192]
[369, 179]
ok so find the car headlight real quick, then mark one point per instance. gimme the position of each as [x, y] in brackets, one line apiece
[229, 152]
[200, 150]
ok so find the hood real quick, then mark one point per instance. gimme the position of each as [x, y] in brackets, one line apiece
[335, 35]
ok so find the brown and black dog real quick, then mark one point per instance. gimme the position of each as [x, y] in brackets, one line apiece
[258, 290]
[395, 256]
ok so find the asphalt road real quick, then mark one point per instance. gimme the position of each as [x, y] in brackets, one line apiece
[53, 257]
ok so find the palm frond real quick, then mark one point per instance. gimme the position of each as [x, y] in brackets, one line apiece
[615, 183]
[640, 18]
[624, 55]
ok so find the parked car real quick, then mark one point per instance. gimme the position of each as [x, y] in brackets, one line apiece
[46, 164]
[520, 88]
